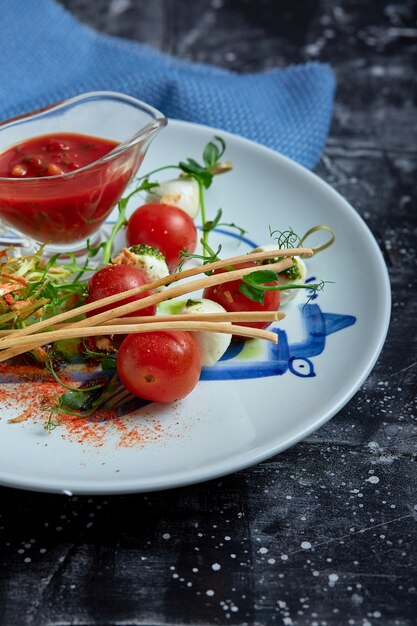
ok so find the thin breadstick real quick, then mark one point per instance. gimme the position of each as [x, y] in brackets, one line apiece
[242, 316]
[121, 329]
[175, 292]
[24, 344]
[225, 316]
[194, 271]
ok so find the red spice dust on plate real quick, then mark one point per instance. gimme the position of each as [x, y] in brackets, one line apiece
[95, 430]
[33, 390]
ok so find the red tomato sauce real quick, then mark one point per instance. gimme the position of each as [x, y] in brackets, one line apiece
[61, 209]
[51, 155]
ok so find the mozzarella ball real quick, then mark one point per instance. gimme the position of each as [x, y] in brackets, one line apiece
[299, 272]
[212, 345]
[149, 260]
[181, 192]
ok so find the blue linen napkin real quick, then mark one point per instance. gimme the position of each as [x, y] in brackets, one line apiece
[47, 55]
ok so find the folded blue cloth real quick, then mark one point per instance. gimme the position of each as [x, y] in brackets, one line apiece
[47, 55]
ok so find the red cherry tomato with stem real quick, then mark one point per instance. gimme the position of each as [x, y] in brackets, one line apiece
[160, 366]
[233, 300]
[113, 279]
[165, 227]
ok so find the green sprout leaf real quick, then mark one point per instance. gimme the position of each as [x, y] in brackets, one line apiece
[74, 400]
[254, 285]
[212, 153]
[256, 295]
[260, 277]
[211, 224]
[210, 255]
[201, 174]
[108, 364]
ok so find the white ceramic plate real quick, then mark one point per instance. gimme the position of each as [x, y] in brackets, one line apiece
[326, 352]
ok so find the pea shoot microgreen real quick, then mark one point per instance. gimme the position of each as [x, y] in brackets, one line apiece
[214, 223]
[212, 154]
[121, 221]
[203, 174]
[80, 402]
[208, 256]
[285, 238]
[107, 361]
[254, 285]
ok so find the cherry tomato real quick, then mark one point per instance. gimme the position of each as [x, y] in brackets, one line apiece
[114, 279]
[160, 366]
[233, 300]
[165, 227]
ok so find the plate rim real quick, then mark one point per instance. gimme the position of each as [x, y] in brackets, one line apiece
[231, 465]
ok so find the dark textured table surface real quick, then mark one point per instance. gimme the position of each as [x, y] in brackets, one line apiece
[325, 533]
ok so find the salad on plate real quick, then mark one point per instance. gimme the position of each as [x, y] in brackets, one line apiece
[144, 320]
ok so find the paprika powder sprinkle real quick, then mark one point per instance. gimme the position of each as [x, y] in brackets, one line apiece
[33, 390]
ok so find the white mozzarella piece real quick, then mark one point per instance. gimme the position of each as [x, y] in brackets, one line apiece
[212, 346]
[152, 267]
[151, 263]
[181, 192]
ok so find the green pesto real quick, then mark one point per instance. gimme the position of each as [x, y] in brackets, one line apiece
[293, 272]
[192, 302]
[143, 249]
